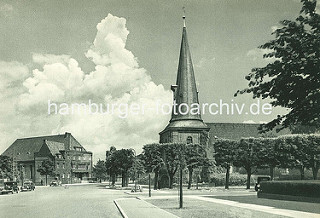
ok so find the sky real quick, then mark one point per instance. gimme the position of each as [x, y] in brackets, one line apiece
[125, 51]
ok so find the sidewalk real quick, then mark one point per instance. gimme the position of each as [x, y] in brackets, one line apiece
[137, 208]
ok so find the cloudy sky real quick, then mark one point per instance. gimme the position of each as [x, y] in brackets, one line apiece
[124, 51]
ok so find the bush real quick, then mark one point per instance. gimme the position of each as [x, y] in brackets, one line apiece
[235, 179]
[305, 188]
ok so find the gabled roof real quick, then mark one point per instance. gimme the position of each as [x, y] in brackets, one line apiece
[55, 147]
[23, 149]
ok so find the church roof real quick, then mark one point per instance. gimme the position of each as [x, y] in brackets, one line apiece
[185, 90]
[236, 131]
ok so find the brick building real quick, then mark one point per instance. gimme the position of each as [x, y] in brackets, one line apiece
[73, 163]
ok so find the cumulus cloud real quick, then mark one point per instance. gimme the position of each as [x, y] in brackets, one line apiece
[117, 78]
[256, 54]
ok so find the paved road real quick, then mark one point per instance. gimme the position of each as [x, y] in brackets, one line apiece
[75, 201]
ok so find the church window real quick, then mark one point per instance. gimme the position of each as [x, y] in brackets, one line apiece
[189, 140]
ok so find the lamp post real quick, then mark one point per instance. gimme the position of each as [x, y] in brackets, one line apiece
[135, 170]
[149, 185]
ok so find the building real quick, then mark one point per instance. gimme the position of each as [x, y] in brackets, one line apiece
[185, 126]
[189, 128]
[73, 163]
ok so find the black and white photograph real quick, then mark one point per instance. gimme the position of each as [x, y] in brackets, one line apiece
[159, 108]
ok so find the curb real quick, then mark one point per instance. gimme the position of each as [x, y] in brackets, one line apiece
[123, 214]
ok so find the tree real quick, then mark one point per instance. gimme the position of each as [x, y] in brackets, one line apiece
[100, 170]
[293, 79]
[224, 153]
[153, 161]
[268, 154]
[122, 160]
[314, 154]
[173, 158]
[246, 156]
[111, 165]
[195, 156]
[47, 168]
[5, 167]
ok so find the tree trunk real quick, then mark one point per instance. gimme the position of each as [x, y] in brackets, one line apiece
[113, 179]
[123, 179]
[171, 175]
[271, 172]
[302, 172]
[46, 179]
[248, 179]
[315, 172]
[156, 176]
[227, 177]
[190, 177]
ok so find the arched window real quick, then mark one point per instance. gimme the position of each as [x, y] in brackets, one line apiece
[189, 140]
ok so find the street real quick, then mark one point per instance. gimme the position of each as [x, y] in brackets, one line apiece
[75, 201]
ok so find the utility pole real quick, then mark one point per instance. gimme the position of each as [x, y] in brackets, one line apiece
[149, 185]
[181, 194]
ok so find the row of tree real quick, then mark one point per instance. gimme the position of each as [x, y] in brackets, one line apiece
[291, 151]
[169, 156]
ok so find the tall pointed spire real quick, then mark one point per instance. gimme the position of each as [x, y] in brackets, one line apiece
[185, 90]
[186, 125]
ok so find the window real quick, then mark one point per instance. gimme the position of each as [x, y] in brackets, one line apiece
[189, 140]
[63, 165]
[68, 175]
[62, 176]
[57, 166]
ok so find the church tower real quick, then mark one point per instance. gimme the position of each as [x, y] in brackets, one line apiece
[185, 125]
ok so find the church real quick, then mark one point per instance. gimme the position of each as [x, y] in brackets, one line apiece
[185, 127]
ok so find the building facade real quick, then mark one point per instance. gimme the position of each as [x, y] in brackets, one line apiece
[72, 162]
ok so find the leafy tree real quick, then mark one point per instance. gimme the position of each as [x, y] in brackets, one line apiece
[137, 168]
[296, 146]
[5, 167]
[314, 154]
[195, 157]
[47, 168]
[100, 170]
[268, 154]
[292, 80]
[173, 158]
[224, 153]
[246, 156]
[111, 165]
[122, 160]
[153, 160]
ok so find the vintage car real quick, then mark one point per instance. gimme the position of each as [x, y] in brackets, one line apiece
[9, 187]
[260, 179]
[27, 186]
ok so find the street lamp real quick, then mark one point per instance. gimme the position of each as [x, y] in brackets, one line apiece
[135, 170]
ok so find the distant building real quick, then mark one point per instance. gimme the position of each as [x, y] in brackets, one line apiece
[73, 163]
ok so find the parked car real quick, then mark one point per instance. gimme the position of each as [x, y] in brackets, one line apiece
[27, 186]
[9, 187]
[260, 179]
[54, 183]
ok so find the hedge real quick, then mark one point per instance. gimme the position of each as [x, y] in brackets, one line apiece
[235, 179]
[304, 188]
